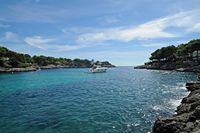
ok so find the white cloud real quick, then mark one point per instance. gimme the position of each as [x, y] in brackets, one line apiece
[165, 27]
[146, 31]
[49, 44]
[67, 47]
[150, 30]
[194, 28]
[10, 36]
[37, 41]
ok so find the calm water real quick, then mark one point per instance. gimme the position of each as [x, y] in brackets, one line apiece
[74, 101]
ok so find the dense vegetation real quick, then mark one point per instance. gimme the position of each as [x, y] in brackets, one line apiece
[171, 57]
[11, 59]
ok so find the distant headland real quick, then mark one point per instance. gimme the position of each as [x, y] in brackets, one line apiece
[11, 61]
[184, 57]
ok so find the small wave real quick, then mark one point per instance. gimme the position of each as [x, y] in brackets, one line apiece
[167, 72]
[175, 103]
[157, 108]
[136, 124]
[181, 85]
[180, 88]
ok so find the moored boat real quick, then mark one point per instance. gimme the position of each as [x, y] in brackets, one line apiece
[98, 69]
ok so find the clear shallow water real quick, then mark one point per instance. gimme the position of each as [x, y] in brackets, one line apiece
[74, 101]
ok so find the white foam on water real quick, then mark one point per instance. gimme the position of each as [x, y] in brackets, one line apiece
[181, 85]
[136, 124]
[157, 108]
[175, 103]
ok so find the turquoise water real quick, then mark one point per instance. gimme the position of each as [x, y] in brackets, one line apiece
[74, 101]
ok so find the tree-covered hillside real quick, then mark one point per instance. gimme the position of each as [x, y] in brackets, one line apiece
[172, 52]
[173, 57]
[11, 59]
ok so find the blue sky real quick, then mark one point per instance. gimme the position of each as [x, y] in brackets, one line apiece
[123, 32]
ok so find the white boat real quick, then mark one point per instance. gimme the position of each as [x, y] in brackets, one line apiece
[98, 69]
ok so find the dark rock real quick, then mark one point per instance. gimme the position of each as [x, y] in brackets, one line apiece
[193, 98]
[193, 86]
[140, 67]
[183, 108]
[187, 119]
[166, 126]
[196, 113]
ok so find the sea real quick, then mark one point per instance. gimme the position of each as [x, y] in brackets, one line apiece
[72, 100]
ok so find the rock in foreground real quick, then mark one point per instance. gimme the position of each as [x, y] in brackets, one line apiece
[187, 119]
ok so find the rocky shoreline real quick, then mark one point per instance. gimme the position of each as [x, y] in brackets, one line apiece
[29, 69]
[35, 68]
[182, 69]
[12, 70]
[187, 117]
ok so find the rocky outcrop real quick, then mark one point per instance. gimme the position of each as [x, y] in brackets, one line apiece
[52, 67]
[187, 119]
[28, 69]
[167, 67]
[10, 70]
[140, 67]
[35, 68]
